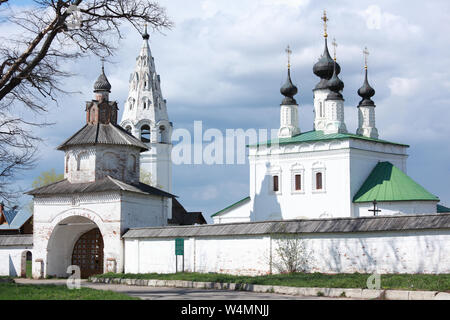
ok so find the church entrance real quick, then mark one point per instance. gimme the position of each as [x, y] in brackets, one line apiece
[88, 253]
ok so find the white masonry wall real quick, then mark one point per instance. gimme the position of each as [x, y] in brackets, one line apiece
[425, 251]
[11, 260]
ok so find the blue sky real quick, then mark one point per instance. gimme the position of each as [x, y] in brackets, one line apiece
[224, 63]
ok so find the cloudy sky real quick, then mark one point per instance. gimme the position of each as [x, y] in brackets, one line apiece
[224, 63]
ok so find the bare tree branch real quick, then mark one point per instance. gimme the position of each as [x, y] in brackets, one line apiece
[30, 61]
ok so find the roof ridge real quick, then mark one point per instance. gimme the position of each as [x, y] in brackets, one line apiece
[305, 220]
[116, 182]
[47, 185]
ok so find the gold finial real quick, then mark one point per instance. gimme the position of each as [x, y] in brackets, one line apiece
[366, 55]
[325, 20]
[334, 43]
[289, 52]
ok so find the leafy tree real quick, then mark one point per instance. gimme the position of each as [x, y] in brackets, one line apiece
[145, 177]
[52, 33]
[47, 177]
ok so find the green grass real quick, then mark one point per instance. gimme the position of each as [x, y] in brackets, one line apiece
[14, 291]
[439, 282]
[29, 270]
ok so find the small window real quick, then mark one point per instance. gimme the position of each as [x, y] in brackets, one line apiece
[298, 182]
[319, 185]
[145, 105]
[276, 186]
[128, 129]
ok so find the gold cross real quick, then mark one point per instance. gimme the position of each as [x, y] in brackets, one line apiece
[289, 52]
[334, 44]
[366, 55]
[325, 19]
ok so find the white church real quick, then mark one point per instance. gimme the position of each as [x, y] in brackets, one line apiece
[347, 195]
[328, 171]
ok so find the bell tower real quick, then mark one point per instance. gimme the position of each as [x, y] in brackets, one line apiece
[145, 116]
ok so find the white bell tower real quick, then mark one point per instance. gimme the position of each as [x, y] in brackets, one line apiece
[145, 116]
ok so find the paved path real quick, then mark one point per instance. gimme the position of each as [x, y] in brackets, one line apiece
[161, 293]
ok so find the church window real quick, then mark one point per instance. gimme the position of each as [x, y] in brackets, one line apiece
[276, 186]
[319, 181]
[145, 105]
[321, 109]
[298, 182]
[145, 133]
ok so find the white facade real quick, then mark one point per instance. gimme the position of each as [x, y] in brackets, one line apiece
[88, 164]
[288, 121]
[145, 116]
[320, 118]
[13, 260]
[334, 113]
[344, 164]
[366, 122]
[422, 251]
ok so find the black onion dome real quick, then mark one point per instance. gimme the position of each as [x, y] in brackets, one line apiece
[335, 85]
[366, 92]
[102, 83]
[324, 68]
[289, 90]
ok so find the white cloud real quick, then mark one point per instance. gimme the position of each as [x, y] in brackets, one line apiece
[403, 86]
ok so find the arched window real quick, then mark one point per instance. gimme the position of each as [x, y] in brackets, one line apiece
[321, 109]
[128, 129]
[83, 161]
[319, 181]
[145, 133]
[276, 185]
[145, 105]
[162, 134]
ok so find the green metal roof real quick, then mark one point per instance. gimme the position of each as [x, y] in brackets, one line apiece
[388, 183]
[442, 209]
[233, 205]
[319, 135]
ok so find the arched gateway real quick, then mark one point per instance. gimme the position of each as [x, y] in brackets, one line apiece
[88, 253]
[80, 220]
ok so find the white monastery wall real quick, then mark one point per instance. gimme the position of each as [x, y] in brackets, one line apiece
[11, 261]
[382, 252]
